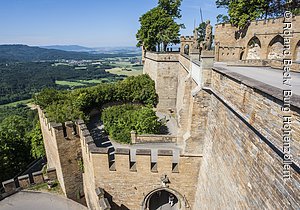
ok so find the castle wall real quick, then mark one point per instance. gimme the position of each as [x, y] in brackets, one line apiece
[192, 108]
[50, 144]
[134, 173]
[230, 135]
[242, 165]
[233, 44]
[89, 185]
[184, 96]
[127, 186]
[162, 68]
[63, 152]
[235, 122]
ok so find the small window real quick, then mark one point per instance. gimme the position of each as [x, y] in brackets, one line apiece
[112, 166]
[175, 168]
[132, 166]
[154, 167]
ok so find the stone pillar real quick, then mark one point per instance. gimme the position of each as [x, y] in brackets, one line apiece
[207, 62]
[133, 137]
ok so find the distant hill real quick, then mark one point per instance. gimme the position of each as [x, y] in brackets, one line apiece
[75, 48]
[24, 53]
[95, 50]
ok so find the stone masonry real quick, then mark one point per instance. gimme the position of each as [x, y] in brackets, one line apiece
[229, 147]
[260, 40]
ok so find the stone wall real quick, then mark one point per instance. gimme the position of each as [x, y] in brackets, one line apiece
[134, 176]
[12, 186]
[134, 173]
[151, 138]
[235, 123]
[230, 141]
[63, 153]
[162, 68]
[242, 164]
[89, 185]
[233, 44]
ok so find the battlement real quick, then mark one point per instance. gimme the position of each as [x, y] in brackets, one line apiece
[62, 146]
[12, 186]
[130, 158]
[258, 23]
[107, 171]
[67, 130]
[162, 57]
[186, 38]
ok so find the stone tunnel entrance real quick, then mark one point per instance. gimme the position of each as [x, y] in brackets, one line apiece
[163, 199]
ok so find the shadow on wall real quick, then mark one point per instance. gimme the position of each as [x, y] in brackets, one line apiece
[113, 205]
[241, 33]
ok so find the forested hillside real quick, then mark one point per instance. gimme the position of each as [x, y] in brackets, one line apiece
[12, 53]
[19, 81]
[20, 140]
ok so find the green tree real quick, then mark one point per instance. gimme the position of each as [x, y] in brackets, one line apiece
[36, 139]
[243, 11]
[172, 7]
[158, 26]
[222, 18]
[223, 3]
[14, 146]
[47, 96]
[201, 32]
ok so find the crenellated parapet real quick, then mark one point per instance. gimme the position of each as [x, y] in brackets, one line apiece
[25, 181]
[131, 166]
[63, 153]
[258, 23]
[261, 39]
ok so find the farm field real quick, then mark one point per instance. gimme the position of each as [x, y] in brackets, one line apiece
[22, 102]
[121, 71]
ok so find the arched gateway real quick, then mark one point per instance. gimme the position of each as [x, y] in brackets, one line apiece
[164, 199]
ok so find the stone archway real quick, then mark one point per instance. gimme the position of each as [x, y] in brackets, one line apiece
[187, 49]
[275, 48]
[164, 199]
[253, 49]
[241, 55]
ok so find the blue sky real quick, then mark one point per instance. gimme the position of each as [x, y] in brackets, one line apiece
[92, 23]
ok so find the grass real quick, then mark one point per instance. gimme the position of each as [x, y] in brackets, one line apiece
[93, 81]
[69, 83]
[43, 187]
[23, 102]
[80, 83]
[119, 71]
[121, 64]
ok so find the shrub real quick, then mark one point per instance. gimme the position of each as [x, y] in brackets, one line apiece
[120, 120]
[63, 106]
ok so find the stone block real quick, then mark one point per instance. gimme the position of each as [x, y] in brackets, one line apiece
[9, 186]
[38, 177]
[24, 181]
[51, 174]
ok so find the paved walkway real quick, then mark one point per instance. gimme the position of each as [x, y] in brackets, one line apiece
[99, 136]
[38, 200]
[101, 139]
[266, 75]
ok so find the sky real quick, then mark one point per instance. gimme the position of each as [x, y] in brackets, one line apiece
[90, 23]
